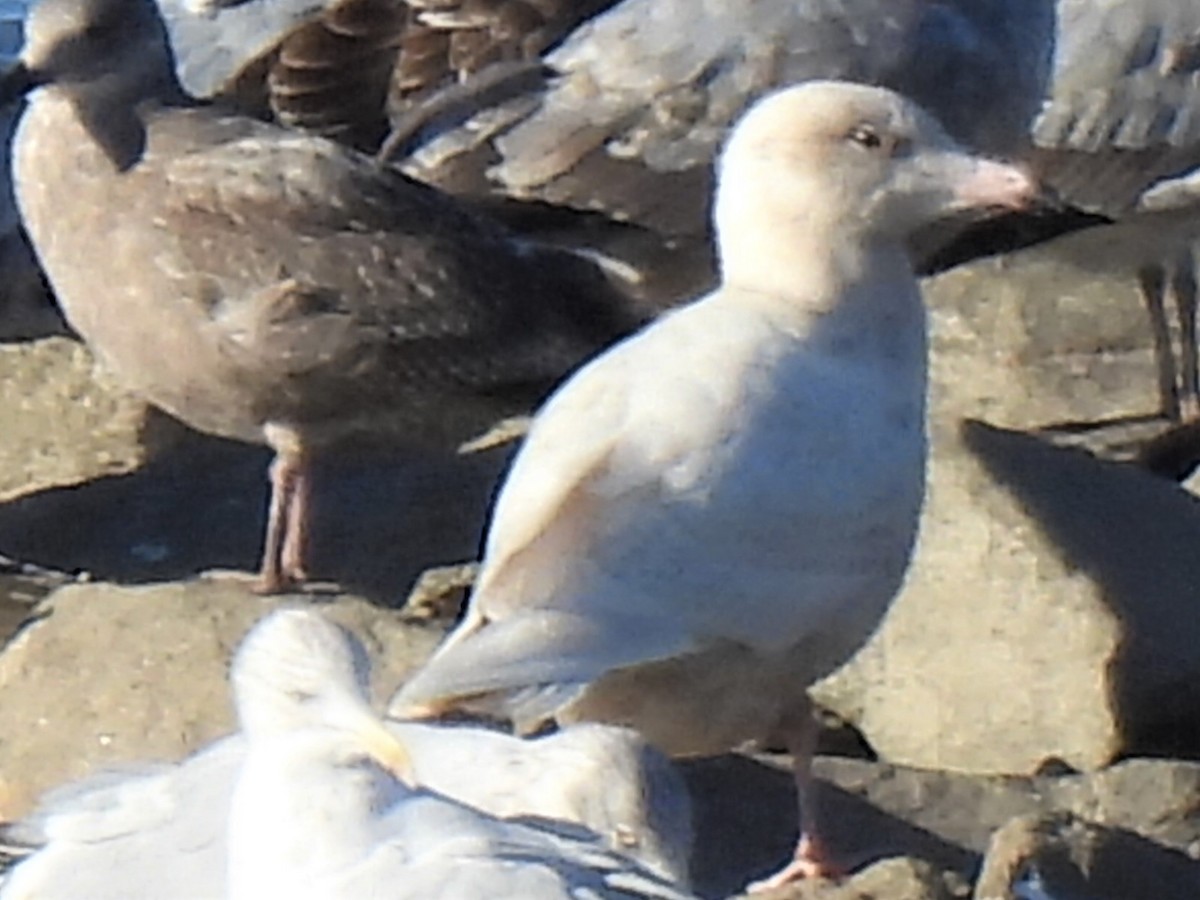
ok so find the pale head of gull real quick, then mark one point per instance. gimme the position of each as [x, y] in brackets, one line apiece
[295, 671]
[643, 809]
[316, 753]
[210, 9]
[322, 808]
[860, 164]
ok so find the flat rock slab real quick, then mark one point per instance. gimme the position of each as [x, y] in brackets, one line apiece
[107, 674]
[1050, 610]
[62, 425]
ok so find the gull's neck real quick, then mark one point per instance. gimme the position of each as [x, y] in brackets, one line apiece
[774, 233]
[811, 265]
[823, 277]
[111, 108]
[268, 841]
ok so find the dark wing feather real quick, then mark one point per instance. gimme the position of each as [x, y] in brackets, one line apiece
[1124, 110]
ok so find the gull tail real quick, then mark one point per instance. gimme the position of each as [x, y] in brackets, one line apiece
[528, 666]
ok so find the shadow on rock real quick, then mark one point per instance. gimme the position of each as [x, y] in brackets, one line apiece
[1135, 535]
[745, 811]
[379, 520]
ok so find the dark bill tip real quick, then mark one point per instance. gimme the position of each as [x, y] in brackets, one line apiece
[15, 82]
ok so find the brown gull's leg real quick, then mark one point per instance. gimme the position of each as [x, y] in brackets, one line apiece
[286, 529]
[811, 859]
[299, 516]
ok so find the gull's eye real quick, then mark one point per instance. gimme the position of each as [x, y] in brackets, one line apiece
[865, 136]
[302, 697]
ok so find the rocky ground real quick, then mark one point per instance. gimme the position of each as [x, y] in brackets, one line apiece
[1025, 718]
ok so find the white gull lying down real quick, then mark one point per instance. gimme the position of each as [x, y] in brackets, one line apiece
[719, 510]
[160, 832]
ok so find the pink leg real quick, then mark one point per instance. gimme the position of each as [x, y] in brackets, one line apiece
[811, 859]
[272, 575]
[296, 533]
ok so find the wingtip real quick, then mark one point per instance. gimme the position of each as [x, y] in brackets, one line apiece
[417, 712]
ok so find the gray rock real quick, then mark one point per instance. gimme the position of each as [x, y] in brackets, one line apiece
[949, 818]
[201, 506]
[876, 812]
[1068, 857]
[900, 878]
[1049, 612]
[21, 588]
[63, 426]
[106, 674]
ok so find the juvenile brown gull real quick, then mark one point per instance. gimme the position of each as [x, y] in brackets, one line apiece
[269, 286]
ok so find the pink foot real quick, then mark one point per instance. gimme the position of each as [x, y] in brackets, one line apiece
[812, 860]
[269, 583]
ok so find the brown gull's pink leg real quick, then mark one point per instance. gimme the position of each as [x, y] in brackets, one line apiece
[297, 525]
[274, 575]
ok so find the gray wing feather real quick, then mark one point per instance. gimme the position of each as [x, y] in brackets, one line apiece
[553, 652]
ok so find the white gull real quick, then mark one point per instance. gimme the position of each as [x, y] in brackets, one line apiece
[719, 510]
[156, 831]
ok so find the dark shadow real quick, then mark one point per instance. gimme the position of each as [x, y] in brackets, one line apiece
[379, 520]
[1136, 536]
[1129, 865]
[745, 812]
[1174, 454]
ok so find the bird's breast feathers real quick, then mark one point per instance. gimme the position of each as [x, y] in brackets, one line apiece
[747, 462]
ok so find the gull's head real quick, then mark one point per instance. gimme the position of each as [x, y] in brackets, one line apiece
[851, 162]
[120, 44]
[296, 672]
[644, 809]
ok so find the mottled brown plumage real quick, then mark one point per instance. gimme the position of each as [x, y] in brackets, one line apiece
[602, 116]
[353, 67]
[271, 286]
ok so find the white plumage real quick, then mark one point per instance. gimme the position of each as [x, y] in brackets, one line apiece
[719, 510]
[162, 831]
